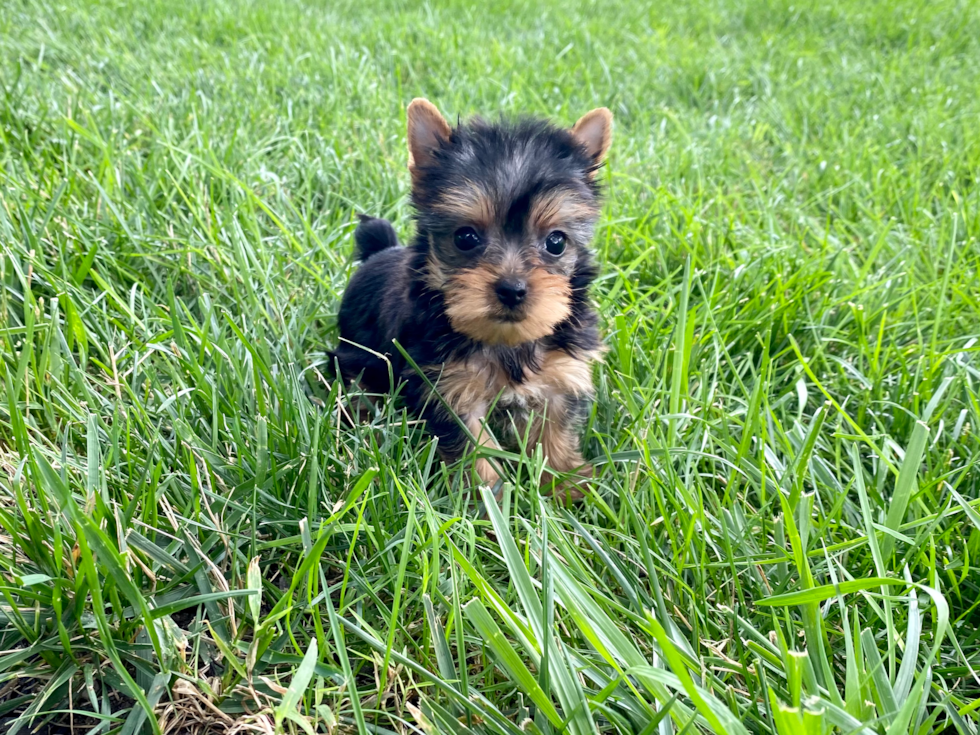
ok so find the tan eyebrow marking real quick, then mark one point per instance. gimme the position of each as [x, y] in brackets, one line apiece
[467, 204]
[560, 206]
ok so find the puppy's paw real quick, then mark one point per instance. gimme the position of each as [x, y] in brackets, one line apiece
[572, 488]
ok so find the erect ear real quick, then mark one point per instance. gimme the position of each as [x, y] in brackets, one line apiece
[427, 130]
[594, 131]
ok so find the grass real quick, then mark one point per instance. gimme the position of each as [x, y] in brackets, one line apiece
[785, 528]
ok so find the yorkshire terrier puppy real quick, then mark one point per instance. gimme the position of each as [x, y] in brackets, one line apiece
[491, 298]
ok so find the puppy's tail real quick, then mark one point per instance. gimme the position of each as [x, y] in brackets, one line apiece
[372, 236]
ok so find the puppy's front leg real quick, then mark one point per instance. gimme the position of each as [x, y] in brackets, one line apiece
[560, 446]
[453, 441]
[475, 423]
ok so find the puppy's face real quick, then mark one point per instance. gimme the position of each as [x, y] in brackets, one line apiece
[508, 212]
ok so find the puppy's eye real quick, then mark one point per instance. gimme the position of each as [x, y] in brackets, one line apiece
[555, 242]
[466, 238]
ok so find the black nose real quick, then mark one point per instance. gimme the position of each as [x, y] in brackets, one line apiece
[511, 291]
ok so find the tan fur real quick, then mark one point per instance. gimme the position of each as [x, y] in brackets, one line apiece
[562, 455]
[594, 131]
[426, 129]
[464, 385]
[561, 450]
[560, 375]
[512, 262]
[467, 204]
[435, 275]
[484, 470]
[561, 371]
[472, 308]
[560, 446]
[552, 210]
[471, 386]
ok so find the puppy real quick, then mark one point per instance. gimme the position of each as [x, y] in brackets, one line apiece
[491, 298]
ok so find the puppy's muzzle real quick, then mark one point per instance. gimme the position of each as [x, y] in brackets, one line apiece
[511, 292]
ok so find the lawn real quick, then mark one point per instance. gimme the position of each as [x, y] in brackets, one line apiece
[784, 531]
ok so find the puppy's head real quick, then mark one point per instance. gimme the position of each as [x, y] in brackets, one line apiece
[507, 212]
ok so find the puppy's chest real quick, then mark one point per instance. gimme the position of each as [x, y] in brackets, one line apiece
[481, 385]
[510, 409]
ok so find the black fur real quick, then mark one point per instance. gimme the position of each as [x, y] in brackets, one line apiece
[389, 299]
[373, 235]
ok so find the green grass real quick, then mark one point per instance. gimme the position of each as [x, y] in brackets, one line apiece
[785, 527]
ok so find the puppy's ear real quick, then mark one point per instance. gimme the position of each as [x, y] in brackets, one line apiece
[427, 131]
[594, 131]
